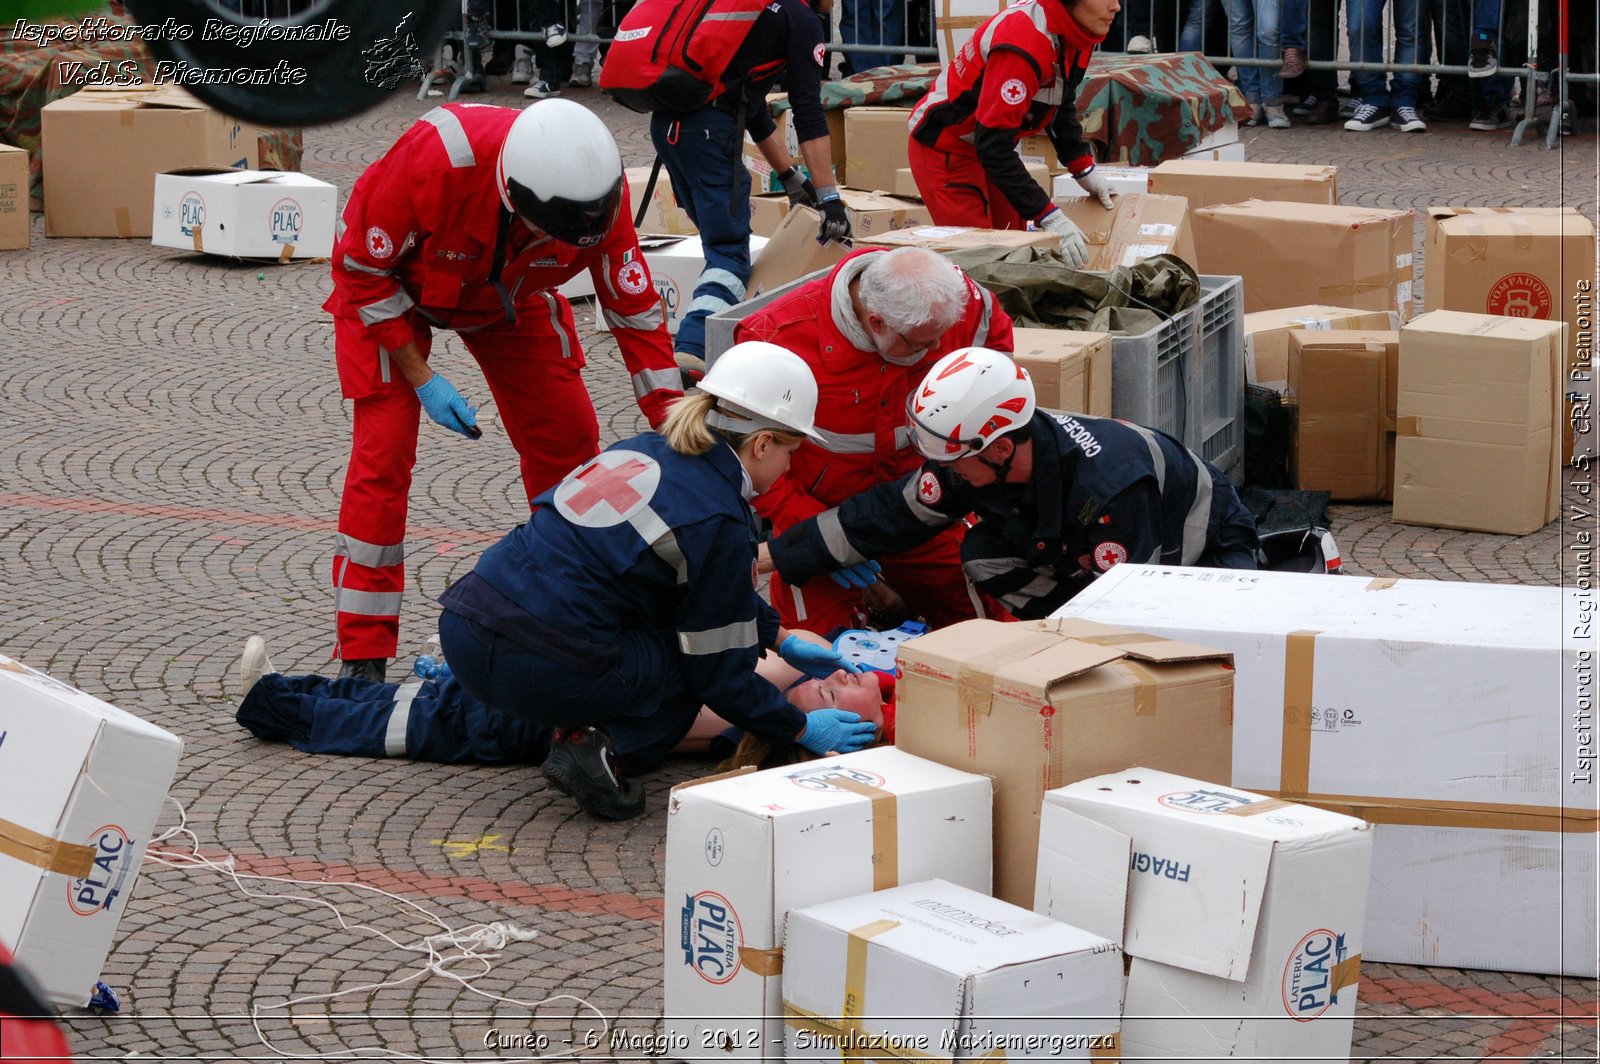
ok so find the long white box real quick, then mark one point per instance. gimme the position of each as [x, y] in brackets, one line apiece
[1458, 717]
[246, 214]
[933, 971]
[675, 263]
[81, 786]
[744, 849]
[1242, 913]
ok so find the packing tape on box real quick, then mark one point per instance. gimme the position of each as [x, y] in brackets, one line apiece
[763, 962]
[1482, 226]
[286, 254]
[885, 831]
[42, 851]
[1257, 808]
[852, 1042]
[199, 242]
[1145, 687]
[1299, 666]
[1125, 639]
[1337, 293]
[1381, 583]
[1409, 425]
[1434, 813]
[1346, 973]
[124, 222]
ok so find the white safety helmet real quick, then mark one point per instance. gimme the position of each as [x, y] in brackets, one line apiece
[762, 386]
[969, 399]
[560, 171]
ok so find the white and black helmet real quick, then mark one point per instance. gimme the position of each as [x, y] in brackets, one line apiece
[560, 171]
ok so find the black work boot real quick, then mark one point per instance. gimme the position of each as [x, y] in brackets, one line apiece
[365, 669]
[582, 764]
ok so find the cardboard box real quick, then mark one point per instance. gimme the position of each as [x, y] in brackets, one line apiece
[870, 213]
[1125, 181]
[745, 848]
[1140, 227]
[81, 787]
[245, 213]
[1042, 704]
[1243, 914]
[1070, 370]
[960, 237]
[676, 263]
[1204, 183]
[762, 177]
[1479, 422]
[875, 141]
[792, 251]
[1442, 712]
[1345, 383]
[1295, 253]
[14, 231]
[664, 214]
[1038, 150]
[905, 184]
[103, 148]
[934, 971]
[1266, 336]
[1522, 263]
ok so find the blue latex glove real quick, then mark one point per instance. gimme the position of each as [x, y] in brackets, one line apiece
[836, 731]
[813, 660]
[862, 574]
[445, 405]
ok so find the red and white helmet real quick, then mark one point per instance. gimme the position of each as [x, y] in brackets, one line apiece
[968, 399]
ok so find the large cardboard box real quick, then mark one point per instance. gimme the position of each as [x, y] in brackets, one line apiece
[103, 148]
[14, 231]
[81, 787]
[745, 848]
[1039, 705]
[1266, 336]
[1479, 423]
[1140, 227]
[1243, 914]
[875, 143]
[791, 252]
[870, 213]
[1523, 263]
[664, 213]
[762, 178]
[1345, 383]
[1451, 715]
[1204, 183]
[245, 213]
[1070, 370]
[933, 971]
[1295, 253]
[961, 237]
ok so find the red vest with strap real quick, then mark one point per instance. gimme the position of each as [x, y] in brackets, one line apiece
[670, 55]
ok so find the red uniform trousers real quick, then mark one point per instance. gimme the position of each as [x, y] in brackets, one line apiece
[532, 368]
[957, 191]
[928, 577]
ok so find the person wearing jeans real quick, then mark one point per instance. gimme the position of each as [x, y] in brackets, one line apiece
[1380, 99]
[873, 22]
[1308, 29]
[1253, 34]
[585, 52]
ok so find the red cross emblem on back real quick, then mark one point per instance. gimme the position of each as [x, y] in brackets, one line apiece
[623, 480]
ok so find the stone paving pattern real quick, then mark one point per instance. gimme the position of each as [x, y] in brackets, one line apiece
[172, 444]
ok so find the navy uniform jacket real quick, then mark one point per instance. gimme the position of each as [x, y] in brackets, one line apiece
[1103, 491]
[640, 537]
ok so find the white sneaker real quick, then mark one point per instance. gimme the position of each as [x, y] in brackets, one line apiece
[253, 664]
[522, 65]
[1367, 117]
[555, 36]
[540, 89]
[1406, 120]
[1140, 45]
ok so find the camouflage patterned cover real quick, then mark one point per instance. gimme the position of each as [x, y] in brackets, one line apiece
[1137, 110]
[29, 79]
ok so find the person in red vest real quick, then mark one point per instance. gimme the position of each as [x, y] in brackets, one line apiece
[869, 331]
[470, 222]
[27, 1033]
[1016, 76]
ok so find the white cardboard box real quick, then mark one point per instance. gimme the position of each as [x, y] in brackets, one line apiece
[247, 214]
[934, 971]
[1243, 913]
[744, 849]
[1124, 179]
[675, 262]
[1455, 716]
[81, 787]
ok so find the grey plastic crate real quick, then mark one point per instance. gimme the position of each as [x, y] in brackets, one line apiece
[1186, 376]
[719, 326]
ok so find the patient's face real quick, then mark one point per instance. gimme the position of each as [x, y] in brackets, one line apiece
[859, 693]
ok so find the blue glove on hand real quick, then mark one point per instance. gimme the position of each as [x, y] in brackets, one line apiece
[836, 731]
[862, 574]
[813, 660]
[445, 405]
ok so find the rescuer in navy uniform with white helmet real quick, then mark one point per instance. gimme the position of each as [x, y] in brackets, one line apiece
[1061, 497]
[628, 598]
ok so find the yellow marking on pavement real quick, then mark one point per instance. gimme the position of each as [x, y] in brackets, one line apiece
[463, 848]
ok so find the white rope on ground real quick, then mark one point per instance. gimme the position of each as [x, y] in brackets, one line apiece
[479, 943]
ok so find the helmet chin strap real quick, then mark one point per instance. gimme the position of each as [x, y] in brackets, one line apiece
[1002, 469]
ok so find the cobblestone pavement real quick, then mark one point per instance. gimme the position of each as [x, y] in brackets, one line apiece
[171, 450]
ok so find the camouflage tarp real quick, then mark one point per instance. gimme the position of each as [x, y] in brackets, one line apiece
[1040, 291]
[30, 78]
[1137, 110]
